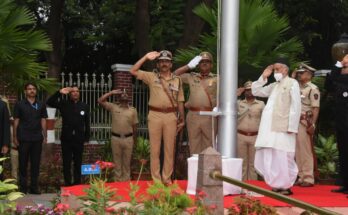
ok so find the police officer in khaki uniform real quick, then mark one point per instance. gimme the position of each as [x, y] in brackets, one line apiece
[203, 87]
[123, 130]
[249, 116]
[310, 99]
[166, 110]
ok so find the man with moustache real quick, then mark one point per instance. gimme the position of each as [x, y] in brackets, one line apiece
[337, 84]
[166, 111]
[310, 102]
[75, 130]
[203, 88]
[276, 140]
[29, 133]
[123, 130]
[249, 116]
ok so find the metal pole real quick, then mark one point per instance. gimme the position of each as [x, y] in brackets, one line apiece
[280, 197]
[228, 76]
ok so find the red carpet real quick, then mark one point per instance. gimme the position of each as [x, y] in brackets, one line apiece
[318, 195]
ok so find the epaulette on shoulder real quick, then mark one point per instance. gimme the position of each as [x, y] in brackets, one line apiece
[313, 86]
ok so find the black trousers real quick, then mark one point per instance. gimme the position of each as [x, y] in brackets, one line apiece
[72, 152]
[342, 140]
[29, 150]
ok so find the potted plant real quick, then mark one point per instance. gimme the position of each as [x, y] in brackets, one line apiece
[141, 158]
[327, 156]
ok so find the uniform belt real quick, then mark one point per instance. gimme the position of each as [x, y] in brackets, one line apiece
[200, 109]
[121, 135]
[163, 110]
[14, 148]
[245, 133]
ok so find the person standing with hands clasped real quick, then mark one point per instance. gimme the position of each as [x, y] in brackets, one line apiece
[310, 102]
[203, 88]
[276, 140]
[166, 115]
[29, 133]
[123, 131]
[75, 130]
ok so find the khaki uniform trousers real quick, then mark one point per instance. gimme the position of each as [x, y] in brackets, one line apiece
[162, 125]
[246, 151]
[304, 156]
[199, 131]
[122, 154]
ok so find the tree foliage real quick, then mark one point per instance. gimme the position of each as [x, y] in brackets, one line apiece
[262, 36]
[20, 44]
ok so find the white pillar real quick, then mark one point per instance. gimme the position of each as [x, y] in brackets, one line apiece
[228, 78]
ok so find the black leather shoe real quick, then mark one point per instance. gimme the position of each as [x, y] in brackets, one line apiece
[340, 190]
[34, 191]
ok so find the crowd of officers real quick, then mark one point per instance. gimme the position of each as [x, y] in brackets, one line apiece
[165, 120]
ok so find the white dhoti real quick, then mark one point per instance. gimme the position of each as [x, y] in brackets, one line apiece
[275, 150]
[277, 167]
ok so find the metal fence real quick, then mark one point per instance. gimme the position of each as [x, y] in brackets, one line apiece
[91, 88]
[140, 101]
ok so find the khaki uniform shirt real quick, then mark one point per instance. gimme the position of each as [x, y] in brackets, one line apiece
[199, 88]
[249, 115]
[123, 119]
[310, 97]
[158, 96]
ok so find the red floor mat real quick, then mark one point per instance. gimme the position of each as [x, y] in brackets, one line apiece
[319, 195]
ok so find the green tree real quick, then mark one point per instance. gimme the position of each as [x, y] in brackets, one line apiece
[262, 37]
[20, 45]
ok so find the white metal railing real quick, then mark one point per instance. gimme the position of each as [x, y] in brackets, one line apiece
[91, 88]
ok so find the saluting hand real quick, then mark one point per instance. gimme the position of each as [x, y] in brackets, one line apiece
[267, 72]
[65, 90]
[152, 55]
[116, 92]
[240, 90]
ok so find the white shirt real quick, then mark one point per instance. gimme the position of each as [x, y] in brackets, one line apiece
[266, 137]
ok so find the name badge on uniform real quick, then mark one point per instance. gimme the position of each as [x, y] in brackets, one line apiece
[345, 94]
[210, 83]
[82, 113]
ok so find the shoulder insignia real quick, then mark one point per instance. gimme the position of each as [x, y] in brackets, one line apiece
[316, 96]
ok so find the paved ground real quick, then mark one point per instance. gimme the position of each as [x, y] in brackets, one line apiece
[33, 200]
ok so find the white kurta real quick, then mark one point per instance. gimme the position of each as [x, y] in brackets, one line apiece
[266, 137]
[275, 154]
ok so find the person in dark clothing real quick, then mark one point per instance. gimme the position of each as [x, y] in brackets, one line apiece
[337, 84]
[4, 130]
[75, 130]
[29, 132]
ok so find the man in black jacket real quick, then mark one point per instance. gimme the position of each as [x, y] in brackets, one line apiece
[75, 130]
[337, 84]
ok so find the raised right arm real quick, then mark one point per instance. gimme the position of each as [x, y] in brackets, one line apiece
[149, 56]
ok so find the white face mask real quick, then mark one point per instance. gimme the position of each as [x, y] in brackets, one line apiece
[278, 76]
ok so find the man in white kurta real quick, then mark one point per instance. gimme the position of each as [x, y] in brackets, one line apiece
[276, 141]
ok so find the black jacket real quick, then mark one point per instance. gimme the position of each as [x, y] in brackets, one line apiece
[75, 116]
[4, 125]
